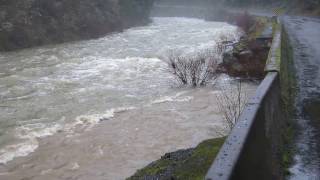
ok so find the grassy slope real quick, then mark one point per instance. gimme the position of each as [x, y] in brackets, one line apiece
[184, 164]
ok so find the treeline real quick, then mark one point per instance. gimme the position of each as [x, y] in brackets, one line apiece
[307, 7]
[190, 2]
[242, 2]
[304, 3]
[27, 23]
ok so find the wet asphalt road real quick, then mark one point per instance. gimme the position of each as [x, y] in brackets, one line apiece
[304, 34]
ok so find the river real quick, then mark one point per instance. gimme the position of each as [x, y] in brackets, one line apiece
[103, 108]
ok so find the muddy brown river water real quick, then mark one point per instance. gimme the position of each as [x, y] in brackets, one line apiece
[101, 109]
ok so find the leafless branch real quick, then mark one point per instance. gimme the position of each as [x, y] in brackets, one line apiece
[231, 103]
[195, 70]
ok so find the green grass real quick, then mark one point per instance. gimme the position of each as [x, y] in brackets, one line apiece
[192, 166]
[270, 65]
[287, 72]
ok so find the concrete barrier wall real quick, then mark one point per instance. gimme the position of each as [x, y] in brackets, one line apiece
[252, 151]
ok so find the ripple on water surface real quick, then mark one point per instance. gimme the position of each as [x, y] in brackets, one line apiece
[69, 88]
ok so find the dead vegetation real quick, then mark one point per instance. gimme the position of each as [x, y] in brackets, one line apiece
[195, 70]
[231, 102]
[201, 68]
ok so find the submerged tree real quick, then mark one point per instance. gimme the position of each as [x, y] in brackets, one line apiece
[195, 70]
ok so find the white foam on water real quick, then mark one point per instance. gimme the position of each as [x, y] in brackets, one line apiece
[44, 172]
[88, 67]
[86, 122]
[184, 99]
[10, 152]
[37, 130]
[174, 98]
[74, 166]
[29, 133]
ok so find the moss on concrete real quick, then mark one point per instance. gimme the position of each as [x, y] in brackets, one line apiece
[287, 75]
[278, 57]
[274, 57]
[187, 164]
[287, 152]
[277, 28]
[288, 93]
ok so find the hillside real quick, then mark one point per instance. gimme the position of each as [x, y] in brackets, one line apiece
[304, 7]
[30, 23]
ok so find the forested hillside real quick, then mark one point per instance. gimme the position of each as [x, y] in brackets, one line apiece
[310, 7]
[246, 2]
[27, 23]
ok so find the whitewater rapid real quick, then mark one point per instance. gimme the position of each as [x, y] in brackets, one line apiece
[61, 106]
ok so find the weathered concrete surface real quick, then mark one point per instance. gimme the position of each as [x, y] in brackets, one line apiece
[273, 61]
[304, 34]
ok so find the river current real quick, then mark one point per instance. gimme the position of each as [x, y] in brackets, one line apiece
[103, 108]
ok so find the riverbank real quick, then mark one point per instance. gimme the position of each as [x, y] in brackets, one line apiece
[183, 164]
[244, 57]
[247, 57]
[32, 23]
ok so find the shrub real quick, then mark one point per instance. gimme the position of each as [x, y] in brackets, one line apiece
[231, 103]
[195, 70]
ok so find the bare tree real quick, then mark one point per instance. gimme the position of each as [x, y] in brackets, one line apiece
[195, 70]
[231, 103]
[224, 40]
